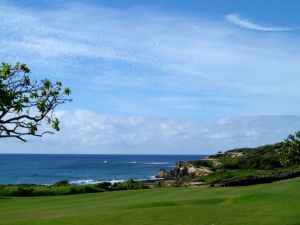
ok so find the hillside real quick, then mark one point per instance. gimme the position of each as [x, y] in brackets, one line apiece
[243, 166]
[263, 158]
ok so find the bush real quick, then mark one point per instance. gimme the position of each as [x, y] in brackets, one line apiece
[104, 185]
[204, 163]
[129, 185]
[158, 184]
[23, 191]
[61, 183]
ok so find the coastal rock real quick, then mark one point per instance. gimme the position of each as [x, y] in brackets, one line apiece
[163, 174]
[184, 169]
[180, 169]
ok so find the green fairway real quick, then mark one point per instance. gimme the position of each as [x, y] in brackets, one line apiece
[276, 203]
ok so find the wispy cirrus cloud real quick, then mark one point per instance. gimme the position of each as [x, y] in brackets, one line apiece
[245, 23]
[105, 47]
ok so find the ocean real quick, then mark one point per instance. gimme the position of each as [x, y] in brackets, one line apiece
[83, 169]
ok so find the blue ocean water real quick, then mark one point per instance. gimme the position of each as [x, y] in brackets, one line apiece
[80, 169]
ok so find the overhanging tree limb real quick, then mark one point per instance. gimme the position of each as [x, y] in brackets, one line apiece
[26, 104]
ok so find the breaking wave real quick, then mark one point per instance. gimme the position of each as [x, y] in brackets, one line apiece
[81, 182]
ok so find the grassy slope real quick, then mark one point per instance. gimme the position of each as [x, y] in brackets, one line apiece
[276, 203]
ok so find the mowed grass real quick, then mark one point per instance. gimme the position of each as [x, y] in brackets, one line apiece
[276, 203]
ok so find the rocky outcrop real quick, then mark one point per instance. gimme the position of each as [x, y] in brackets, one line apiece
[184, 170]
[163, 174]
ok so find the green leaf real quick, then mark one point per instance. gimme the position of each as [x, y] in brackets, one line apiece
[67, 91]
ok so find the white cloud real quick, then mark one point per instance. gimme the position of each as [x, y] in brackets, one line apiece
[88, 132]
[244, 23]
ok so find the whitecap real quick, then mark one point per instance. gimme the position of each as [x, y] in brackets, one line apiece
[155, 163]
[155, 178]
[79, 182]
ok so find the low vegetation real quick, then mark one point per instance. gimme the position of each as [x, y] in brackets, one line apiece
[64, 188]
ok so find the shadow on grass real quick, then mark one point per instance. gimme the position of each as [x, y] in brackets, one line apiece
[2, 198]
[152, 205]
[208, 201]
[205, 201]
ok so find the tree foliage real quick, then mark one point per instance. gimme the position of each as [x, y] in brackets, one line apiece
[26, 104]
[289, 154]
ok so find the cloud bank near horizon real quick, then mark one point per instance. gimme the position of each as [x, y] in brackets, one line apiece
[87, 132]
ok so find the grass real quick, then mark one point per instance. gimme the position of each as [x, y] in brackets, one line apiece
[271, 204]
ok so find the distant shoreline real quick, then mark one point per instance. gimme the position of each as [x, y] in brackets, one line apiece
[101, 154]
[83, 169]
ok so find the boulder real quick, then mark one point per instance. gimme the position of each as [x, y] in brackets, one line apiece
[184, 169]
[163, 174]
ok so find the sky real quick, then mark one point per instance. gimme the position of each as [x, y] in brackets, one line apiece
[160, 77]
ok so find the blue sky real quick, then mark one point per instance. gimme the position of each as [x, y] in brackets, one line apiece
[160, 76]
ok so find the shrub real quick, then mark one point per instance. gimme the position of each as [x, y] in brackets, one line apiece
[158, 184]
[289, 154]
[61, 183]
[23, 191]
[202, 162]
[129, 185]
[104, 185]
